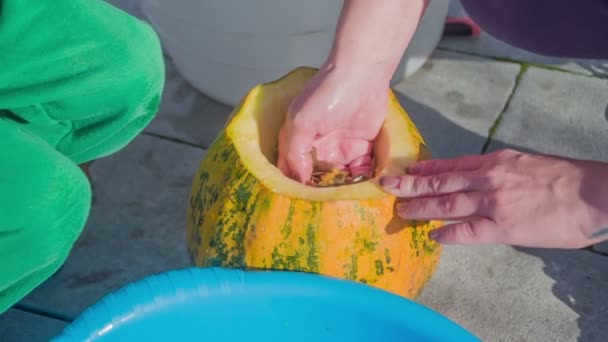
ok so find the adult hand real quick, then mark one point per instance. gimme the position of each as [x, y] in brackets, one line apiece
[508, 197]
[338, 114]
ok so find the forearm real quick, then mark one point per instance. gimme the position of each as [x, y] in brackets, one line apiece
[372, 35]
[595, 192]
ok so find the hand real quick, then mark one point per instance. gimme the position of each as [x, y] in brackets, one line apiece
[508, 197]
[338, 114]
[341, 111]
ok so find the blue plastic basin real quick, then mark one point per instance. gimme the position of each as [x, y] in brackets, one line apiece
[213, 304]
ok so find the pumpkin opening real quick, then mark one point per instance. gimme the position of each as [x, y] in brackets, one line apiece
[325, 174]
[254, 131]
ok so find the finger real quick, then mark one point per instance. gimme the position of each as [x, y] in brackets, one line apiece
[282, 160]
[353, 149]
[341, 151]
[453, 206]
[409, 186]
[361, 166]
[437, 166]
[297, 154]
[361, 161]
[478, 231]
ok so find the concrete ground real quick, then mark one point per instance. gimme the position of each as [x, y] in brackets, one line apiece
[469, 88]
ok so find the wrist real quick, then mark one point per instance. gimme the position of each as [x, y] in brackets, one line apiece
[599, 202]
[371, 37]
[367, 73]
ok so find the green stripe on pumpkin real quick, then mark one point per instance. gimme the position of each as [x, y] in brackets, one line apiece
[312, 237]
[286, 230]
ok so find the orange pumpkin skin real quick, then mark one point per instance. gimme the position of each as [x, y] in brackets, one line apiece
[243, 213]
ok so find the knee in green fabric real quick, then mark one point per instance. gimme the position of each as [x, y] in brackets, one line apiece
[129, 105]
[67, 203]
[58, 217]
[44, 217]
[138, 69]
[87, 86]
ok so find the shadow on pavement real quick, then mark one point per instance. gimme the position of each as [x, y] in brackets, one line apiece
[578, 277]
[578, 274]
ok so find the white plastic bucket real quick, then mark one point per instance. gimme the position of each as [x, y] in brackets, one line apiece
[225, 47]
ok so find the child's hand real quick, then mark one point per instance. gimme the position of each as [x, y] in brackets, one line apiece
[339, 114]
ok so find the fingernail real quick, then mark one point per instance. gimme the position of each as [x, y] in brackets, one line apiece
[389, 181]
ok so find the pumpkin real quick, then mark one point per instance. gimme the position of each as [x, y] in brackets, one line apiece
[245, 213]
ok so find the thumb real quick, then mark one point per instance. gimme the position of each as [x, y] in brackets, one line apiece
[294, 153]
[479, 231]
[282, 162]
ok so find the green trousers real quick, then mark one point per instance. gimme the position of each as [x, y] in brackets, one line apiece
[79, 79]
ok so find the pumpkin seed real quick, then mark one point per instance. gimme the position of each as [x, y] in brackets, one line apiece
[325, 175]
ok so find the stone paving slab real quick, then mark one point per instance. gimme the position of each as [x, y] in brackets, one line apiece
[486, 45]
[601, 248]
[502, 293]
[130, 6]
[21, 326]
[185, 113]
[136, 227]
[454, 99]
[557, 113]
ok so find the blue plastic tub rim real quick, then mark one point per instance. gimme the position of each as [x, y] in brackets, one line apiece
[159, 291]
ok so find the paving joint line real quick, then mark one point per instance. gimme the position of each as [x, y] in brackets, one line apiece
[520, 62]
[492, 130]
[175, 140]
[590, 249]
[43, 312]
